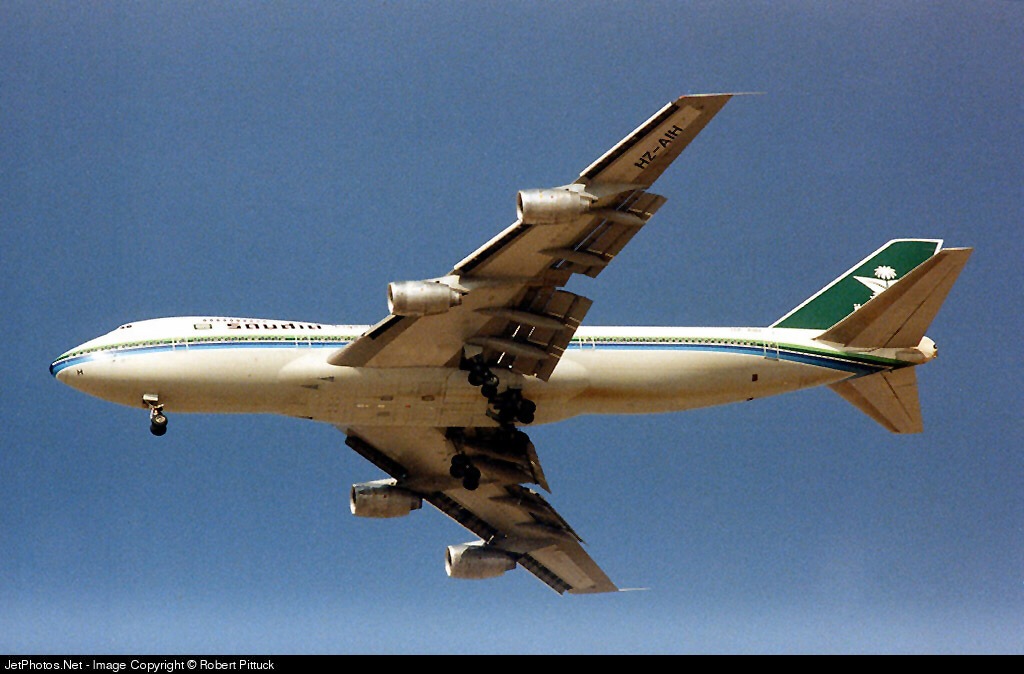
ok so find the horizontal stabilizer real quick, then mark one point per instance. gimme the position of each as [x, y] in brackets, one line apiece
[890, 398]
[899, 316]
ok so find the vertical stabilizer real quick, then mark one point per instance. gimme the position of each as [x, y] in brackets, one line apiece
[899, 317]
[856, 287]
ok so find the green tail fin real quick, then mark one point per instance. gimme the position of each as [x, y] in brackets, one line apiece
[866, 279]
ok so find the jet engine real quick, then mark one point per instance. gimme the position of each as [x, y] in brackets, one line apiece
[476, 561]
[382, 498]
[550, 207]
[421, 298]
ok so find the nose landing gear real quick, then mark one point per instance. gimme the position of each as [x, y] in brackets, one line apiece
[157, 418]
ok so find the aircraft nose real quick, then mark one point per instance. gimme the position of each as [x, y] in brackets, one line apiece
[58, 367]
[63, 366]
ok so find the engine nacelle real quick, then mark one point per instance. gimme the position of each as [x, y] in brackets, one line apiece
[421, 298]
[476, 561]
[549, 207]
[382, 498]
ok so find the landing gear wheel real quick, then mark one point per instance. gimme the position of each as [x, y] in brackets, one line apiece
[506, 415]
[158, 424]
[489, 391]
[527, 410]
[481, 375]
[471, 480]
[157, 418]
[460, 466]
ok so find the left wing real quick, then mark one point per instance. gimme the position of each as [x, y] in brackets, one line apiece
[515, 524]
[505, 301]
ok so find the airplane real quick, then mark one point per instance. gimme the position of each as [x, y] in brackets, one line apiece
[437, 394]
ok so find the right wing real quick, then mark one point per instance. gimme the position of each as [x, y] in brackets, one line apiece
[513, 522]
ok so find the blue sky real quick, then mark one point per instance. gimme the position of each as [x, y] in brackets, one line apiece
[290, 159]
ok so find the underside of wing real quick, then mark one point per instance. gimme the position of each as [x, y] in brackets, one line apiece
[504, 303]
[515, 524]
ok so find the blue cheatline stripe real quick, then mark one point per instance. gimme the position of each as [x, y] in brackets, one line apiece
[787, 353]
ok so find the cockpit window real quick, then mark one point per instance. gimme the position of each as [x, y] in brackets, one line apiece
[125, 326]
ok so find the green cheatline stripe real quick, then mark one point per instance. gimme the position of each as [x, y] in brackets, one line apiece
[769, 346]
[858, 362]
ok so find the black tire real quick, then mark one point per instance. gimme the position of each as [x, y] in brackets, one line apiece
[460, 466]
[526, 411]
[471, 480]
[519, 441]
[158, 429]
[489, 391]
[476, 378]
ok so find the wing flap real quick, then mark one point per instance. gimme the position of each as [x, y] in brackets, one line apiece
[535, 332]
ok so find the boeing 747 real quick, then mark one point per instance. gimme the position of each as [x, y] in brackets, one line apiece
[437, 394]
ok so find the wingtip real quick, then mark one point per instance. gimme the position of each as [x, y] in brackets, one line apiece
[724, 93]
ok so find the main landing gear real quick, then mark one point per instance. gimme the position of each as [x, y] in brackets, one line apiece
[507, 408]
[463, 469]
[502, 449]
[157, 418]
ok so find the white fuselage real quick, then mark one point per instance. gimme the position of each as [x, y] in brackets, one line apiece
[228, 365]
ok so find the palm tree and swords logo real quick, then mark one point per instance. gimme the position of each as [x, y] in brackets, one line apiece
[884, 277]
